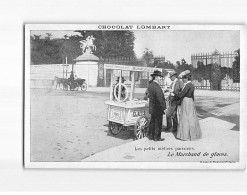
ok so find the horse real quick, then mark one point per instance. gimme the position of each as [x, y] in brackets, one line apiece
[62, 81]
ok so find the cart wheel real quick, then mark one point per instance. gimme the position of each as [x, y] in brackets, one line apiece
[84, 87]
[115, 128]
[141, 127]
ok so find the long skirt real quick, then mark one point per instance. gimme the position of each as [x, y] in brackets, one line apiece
[188, 127]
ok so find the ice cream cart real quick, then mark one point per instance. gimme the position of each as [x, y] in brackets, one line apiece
[124, 110]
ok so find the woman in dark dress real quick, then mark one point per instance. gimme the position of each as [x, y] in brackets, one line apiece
[189, 127]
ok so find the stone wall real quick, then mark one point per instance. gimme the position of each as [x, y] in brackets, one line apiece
[42, 76]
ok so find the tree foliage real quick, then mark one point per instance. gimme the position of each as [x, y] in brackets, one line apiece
[147, 55]
[182, 66]
[158, 62]
[236, 67]
[165, 65]
[54, 51]
[44, 51]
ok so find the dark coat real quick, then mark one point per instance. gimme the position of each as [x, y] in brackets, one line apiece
[157, 103]
[188, 91]
[178, 86]
[175, 100]
[72, 77]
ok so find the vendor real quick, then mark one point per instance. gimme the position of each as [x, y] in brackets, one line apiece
[71, 77]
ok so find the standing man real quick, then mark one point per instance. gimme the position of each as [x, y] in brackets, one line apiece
[157, 105]
[174, 101]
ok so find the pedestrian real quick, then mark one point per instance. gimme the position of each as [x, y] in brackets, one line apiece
[146, 92]
[71, 77]
[189, 127]
[173, 102]
[157, 105]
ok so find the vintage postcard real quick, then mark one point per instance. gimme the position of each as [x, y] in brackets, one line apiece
[135, 96]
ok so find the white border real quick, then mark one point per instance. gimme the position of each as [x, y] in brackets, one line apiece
[136, 165]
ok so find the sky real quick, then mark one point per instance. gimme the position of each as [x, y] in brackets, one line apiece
[54, 33]
[175, 45]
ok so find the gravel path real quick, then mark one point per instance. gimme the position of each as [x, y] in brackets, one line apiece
[69, 126]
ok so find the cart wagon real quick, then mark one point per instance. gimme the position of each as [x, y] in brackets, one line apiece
[124, 110]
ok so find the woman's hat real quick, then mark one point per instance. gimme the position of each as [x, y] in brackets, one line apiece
[173, 73]
[184, 74]
[156, 73]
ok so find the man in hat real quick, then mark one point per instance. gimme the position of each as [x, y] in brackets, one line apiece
[174, 101]
[71, 77]
[157, 105]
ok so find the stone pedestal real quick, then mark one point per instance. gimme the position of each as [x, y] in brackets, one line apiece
[86, 67]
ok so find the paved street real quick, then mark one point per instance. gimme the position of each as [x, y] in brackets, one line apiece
[218, 144]
[72, 125]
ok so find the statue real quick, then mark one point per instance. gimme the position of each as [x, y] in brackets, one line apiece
[87, 45]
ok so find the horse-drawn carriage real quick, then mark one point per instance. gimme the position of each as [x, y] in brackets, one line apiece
[124, 111]
[70, 84]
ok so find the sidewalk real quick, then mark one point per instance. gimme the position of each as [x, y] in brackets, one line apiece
[226, 94]
[219, 143]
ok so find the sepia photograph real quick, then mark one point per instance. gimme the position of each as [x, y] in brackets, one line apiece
[133, 96]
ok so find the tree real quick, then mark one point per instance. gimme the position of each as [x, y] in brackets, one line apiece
[236, 67]
[216, 74]
[180, 67]
[199, 73]
[36, 37]
[45, 51]
[48, 36]
[70, 48]
[108, 44]
[183, 62]
[177, 64]
[226, 72]
[147, 55]
[208, 72]
[166, 65]
[169, 65]
[112, 43]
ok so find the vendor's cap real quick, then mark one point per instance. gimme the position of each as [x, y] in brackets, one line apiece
[173, 73]
[156, 73]
[184, 74]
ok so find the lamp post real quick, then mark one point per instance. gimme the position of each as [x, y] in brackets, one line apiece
[66, 62]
